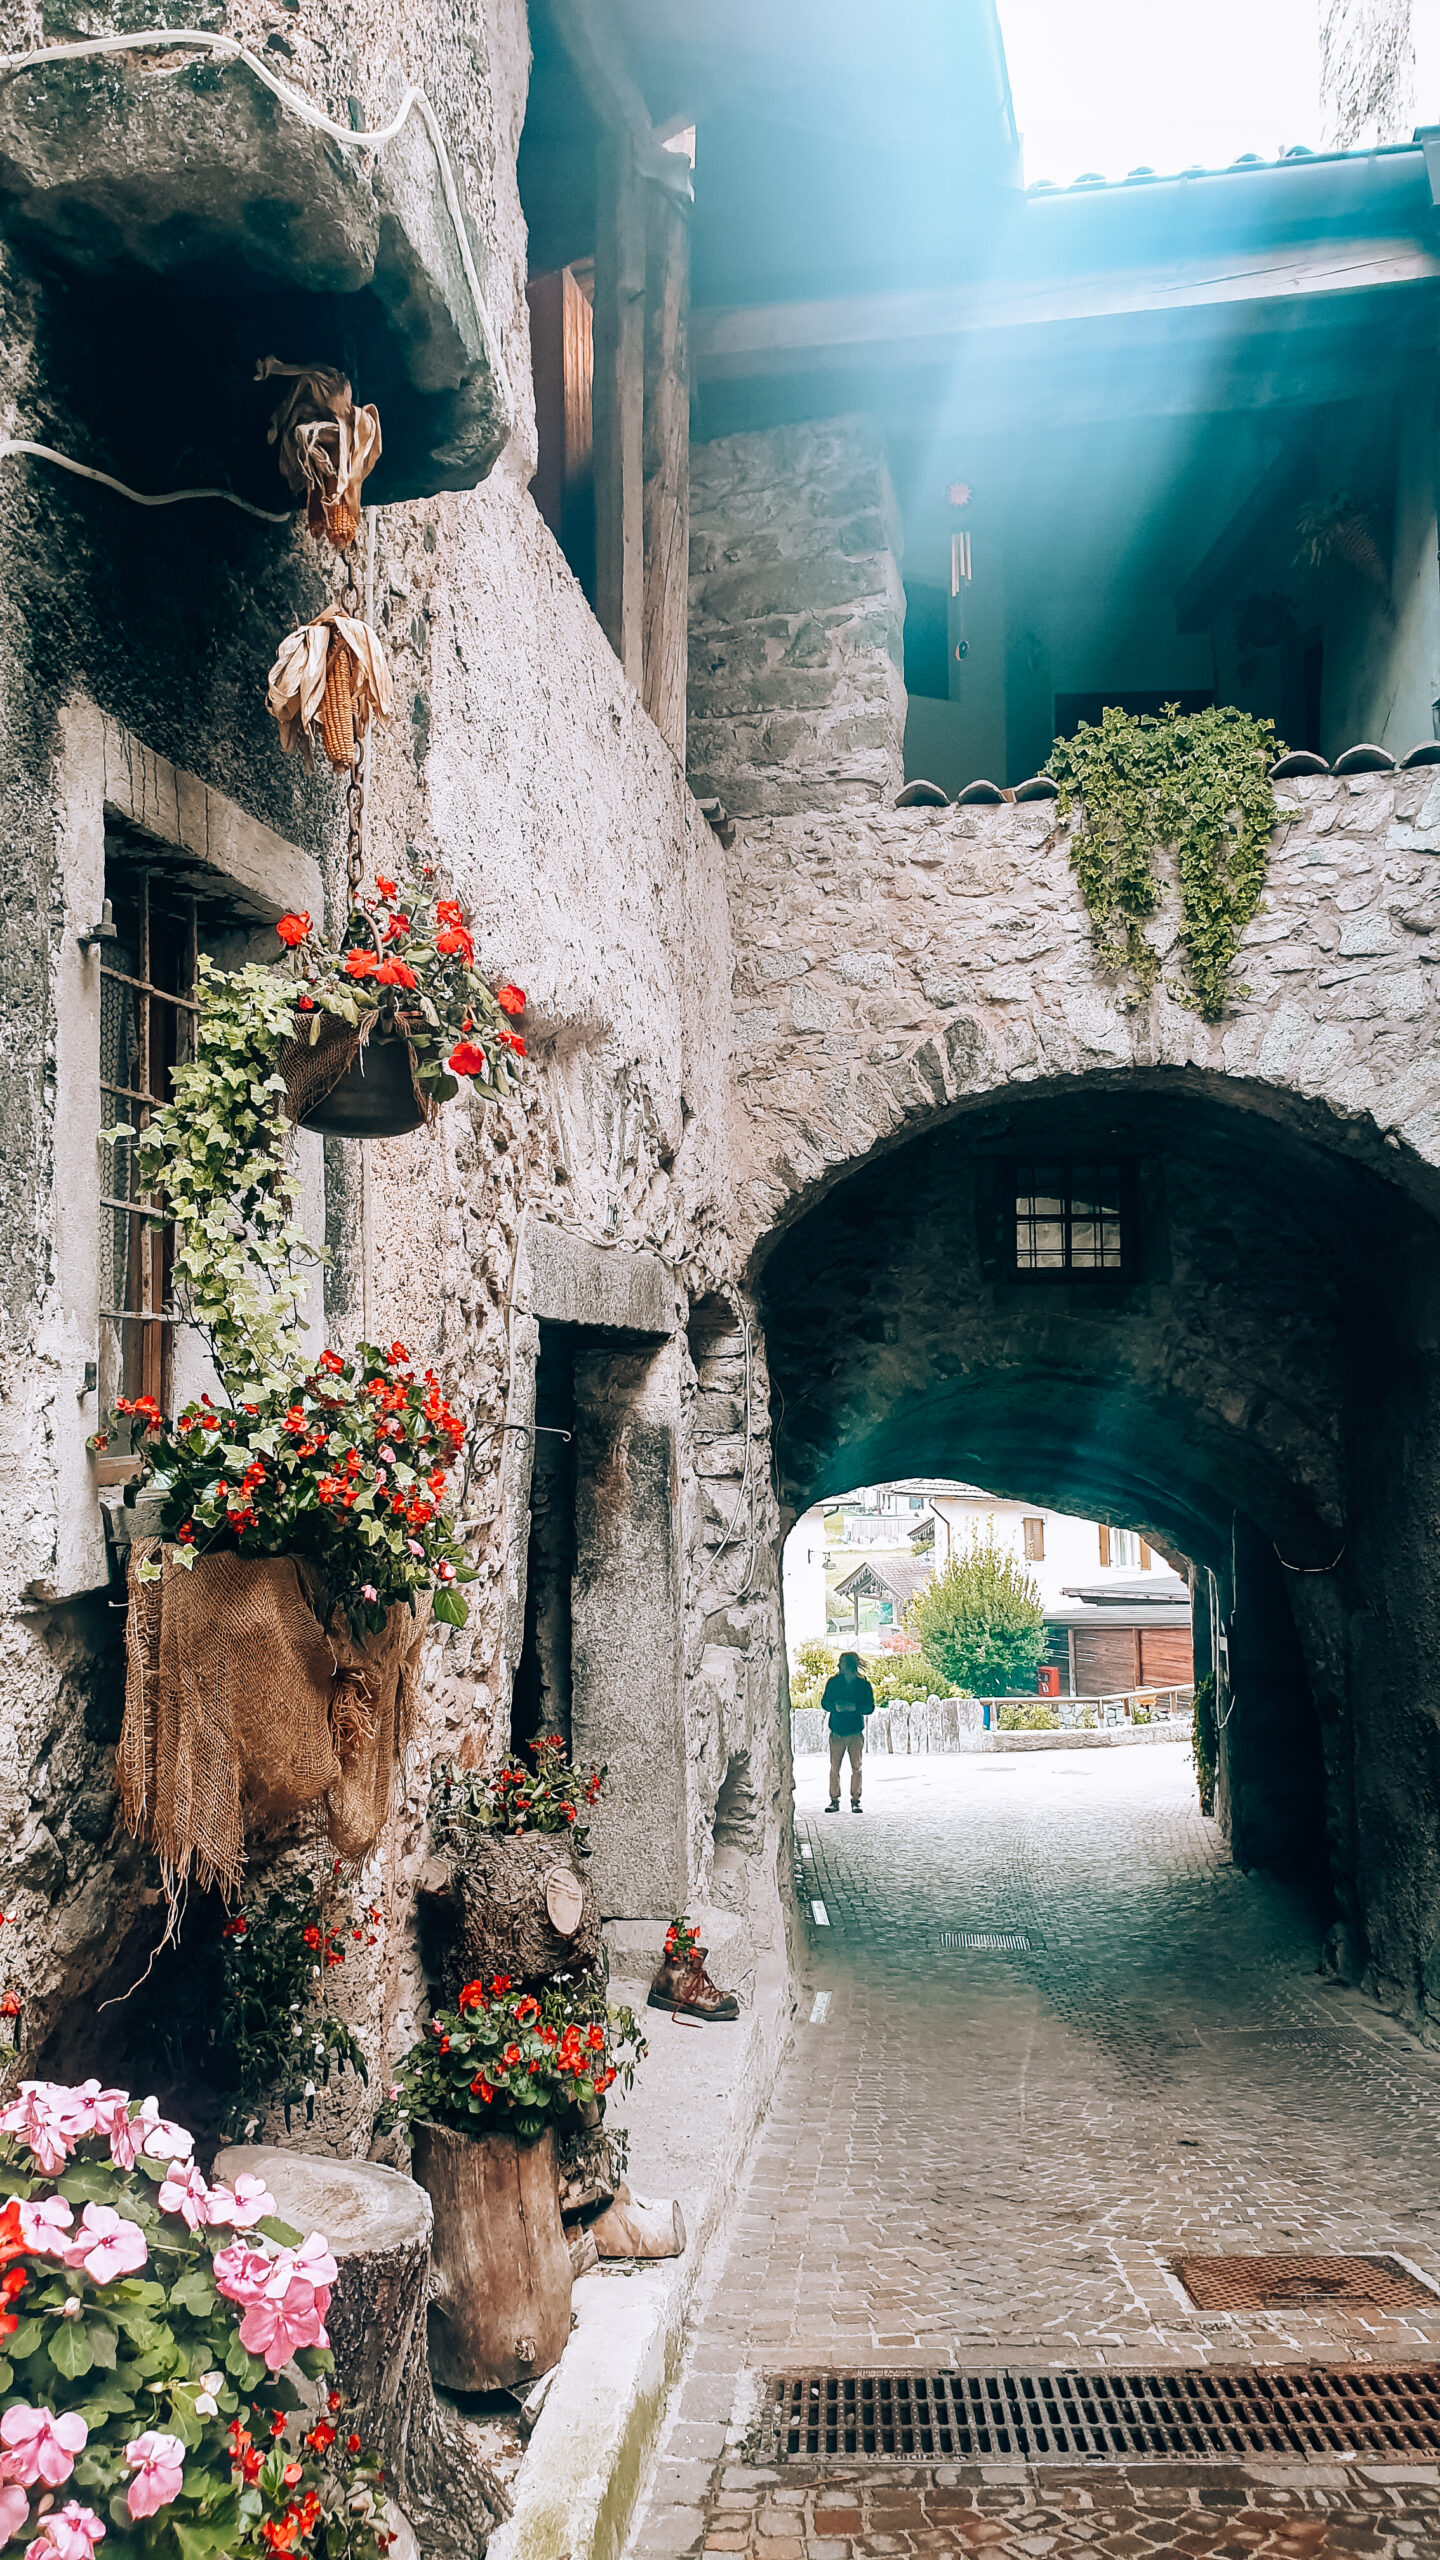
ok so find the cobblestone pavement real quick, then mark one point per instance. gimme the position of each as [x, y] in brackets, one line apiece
[978, 2158]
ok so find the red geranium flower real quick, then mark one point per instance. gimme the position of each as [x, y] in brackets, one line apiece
[294, 929]
[394, 973]
[332, 1361]
[360, 964]
[449, 911]
[510, 999]
[511, 1040]
[396, 1353]
[385, 887]
[453, 939]
[467, 1059]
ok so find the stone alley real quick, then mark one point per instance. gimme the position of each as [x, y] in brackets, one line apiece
[989, 2158]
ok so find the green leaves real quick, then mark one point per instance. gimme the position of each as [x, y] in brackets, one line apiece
[284, 2234]
[1193, 781]
[451, 1608]
[70, 2350]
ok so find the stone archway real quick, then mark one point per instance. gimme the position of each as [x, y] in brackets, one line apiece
[1260, 1387]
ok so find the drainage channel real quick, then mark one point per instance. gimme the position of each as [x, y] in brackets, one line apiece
[1319, 2411]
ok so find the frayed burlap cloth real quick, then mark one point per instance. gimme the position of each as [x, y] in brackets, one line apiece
[241, 1709]
[313, 1068]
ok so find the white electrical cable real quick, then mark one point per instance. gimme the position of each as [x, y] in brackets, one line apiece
[137, 497]
[229, 48]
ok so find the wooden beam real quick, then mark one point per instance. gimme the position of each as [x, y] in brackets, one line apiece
[587, 30]
[667, 467]
[619, 405]
[913, 326]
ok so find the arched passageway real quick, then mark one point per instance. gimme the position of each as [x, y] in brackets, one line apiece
[1250, 1376]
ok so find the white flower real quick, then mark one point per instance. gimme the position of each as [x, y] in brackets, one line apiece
[309, 2088]
[206, 2405]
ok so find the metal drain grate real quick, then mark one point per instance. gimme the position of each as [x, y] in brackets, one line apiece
[1000, 1940]
[1390, 2412]
[1271, 2283]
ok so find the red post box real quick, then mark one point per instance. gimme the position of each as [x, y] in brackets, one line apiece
[1047, 1683]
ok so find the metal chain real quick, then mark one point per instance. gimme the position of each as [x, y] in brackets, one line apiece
[350, 602]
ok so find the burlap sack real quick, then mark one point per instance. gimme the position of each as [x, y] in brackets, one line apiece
[241, 1710]
[312, 1069]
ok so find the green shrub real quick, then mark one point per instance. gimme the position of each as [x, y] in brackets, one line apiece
[1028, 1715]
[980, 1621]
[905, 1676]
[814, 1665]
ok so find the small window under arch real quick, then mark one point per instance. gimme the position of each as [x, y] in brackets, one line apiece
[1072, 1221]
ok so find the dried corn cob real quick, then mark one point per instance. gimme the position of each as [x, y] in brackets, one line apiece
[337, 712]
[342, 523]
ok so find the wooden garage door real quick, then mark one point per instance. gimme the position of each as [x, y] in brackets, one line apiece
[1167, 1657]
[1107, 1659]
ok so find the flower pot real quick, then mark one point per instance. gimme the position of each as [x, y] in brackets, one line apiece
[500, 2313]
[373, 1096]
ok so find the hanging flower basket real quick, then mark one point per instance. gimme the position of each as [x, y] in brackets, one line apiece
[388, 1026]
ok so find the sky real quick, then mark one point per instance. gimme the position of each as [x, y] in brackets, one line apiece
[1112, 85]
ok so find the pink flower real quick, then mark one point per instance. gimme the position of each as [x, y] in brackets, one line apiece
[158, 2462]
[109, 2110]
[40, 2446]
[14, 2510]
[146, 2130]
[185, 2192]
[106, 2244]
[368, 1590]
[286, 2297]
[166, 2141]
[47, 2117]
[70, 2534]
[414, 1546]
[241, 2273]
[241, 2205]
[276, 2329]
[45, 2225]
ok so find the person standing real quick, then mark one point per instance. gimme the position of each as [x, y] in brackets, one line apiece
[847, 1700]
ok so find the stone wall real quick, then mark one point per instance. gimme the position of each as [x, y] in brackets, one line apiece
[892, 964]
[918, 1009]
[797, 689]
[521, 765]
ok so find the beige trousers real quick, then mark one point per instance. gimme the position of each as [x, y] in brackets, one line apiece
[840, 1743]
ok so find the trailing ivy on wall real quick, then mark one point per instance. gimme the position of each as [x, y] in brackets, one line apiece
[1193, 781]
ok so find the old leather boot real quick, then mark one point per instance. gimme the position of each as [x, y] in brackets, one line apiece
[683, 1986]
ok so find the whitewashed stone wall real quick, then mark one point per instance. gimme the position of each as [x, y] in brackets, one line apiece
[892, 964]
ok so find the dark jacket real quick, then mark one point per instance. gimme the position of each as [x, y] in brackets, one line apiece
[847, 1701]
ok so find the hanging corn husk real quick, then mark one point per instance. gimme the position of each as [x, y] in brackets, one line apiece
[328, 447]
[331, 672]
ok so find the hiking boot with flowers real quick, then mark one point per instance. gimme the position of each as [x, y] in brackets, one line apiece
[682, 1984]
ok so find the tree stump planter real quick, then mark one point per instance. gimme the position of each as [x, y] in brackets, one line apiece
[501, 2312]
[379, 2226]
[496, 1902]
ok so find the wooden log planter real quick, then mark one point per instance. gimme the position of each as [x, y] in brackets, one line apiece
[380, 2229]
[501, 2311]
[518, 1905]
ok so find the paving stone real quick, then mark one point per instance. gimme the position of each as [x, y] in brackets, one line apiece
[991, 2159]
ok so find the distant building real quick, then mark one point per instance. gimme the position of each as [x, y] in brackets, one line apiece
[1117, 1613]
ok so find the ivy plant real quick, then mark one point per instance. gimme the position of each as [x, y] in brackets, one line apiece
[1195, 782]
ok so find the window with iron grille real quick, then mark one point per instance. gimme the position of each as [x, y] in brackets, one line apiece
[1071, 1221]
[148, 971]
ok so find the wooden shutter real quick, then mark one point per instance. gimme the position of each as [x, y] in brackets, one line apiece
[1104, 1545]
